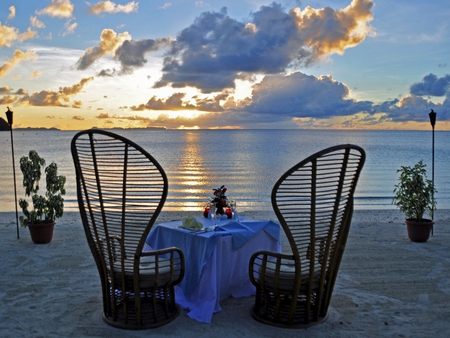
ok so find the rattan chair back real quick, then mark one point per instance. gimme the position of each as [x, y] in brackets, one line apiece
[121, 190]
[314, 204]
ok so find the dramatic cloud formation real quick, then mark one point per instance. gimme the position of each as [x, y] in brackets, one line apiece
[58, 8]
[211, 53]
[112, 8]
[131, 52]
[19, 56]
[218, 71]
[53, 98]
[432, 86]
[299, 95]
[9, 35]
[110, 41]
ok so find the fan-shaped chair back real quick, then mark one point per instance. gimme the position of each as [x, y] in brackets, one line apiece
[314, 204]
[121, 190]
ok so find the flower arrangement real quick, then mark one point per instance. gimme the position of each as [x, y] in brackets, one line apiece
[220, 202]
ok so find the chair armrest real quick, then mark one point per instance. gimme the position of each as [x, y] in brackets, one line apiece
[258, 264]
[163, 261]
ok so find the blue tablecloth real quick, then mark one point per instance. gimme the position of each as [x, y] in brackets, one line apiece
[199, 246]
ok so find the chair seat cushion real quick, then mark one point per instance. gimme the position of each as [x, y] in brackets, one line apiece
[286, 277]
[149, 277]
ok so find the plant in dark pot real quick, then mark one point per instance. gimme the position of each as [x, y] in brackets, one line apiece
[41, 218]
[414, 196]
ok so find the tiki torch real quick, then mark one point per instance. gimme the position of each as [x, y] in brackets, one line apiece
[9, 117]
[432, 115]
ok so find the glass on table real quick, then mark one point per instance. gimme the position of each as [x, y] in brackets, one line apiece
[213, 217]
[233, 209]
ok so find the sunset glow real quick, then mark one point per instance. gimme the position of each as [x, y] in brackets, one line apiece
[347, 64]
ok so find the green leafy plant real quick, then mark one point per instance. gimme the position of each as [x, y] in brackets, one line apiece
[414, 193]
[46, 208]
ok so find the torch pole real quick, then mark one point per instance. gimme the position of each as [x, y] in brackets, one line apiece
[432, 116]
[9, 117]
[15, 187]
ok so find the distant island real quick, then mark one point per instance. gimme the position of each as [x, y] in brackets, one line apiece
[38, 128]
[4, 126]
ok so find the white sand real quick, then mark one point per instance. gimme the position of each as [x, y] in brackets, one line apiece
[387, 286]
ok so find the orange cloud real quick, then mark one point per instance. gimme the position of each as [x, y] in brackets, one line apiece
[9, 35]
[18, 57]
[58, 8]
[12, 12]
[35, 22]
[8, 99]
[55, 98]
[350, 26]
[110, 41]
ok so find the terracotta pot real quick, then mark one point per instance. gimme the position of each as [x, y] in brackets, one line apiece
[41, 233]
[419, 231]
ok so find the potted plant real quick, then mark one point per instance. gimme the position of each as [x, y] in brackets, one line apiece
[41, 219]
[414, 196]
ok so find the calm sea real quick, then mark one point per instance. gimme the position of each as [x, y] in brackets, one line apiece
[247, 162]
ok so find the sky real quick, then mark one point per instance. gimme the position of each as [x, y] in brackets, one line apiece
[312, 64]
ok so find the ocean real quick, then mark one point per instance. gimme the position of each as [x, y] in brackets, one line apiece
[247, 162]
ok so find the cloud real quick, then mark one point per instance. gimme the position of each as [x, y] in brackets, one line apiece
[35, 22]
[5, 90]
[35, 74]
[431, 85]
[77, 104]
[295, 99]
[18, 57]
[201, 4]
[214, 51]
[12, 12]
[131, 52]
[110, 41]
[165, 6]
[112, 8]
[69, 28]
[9, 35]
[78, 118]
[299, 95]
[174, 102]
[107, 72]
[8, 99]
[326, 31]
[58, 9]
[55, 98]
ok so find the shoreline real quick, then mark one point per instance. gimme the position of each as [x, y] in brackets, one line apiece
[387, 285]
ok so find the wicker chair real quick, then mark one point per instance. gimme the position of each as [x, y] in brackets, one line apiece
[121, 190]
[314, 204]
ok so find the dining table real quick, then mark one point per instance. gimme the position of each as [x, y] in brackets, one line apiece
[216, 259]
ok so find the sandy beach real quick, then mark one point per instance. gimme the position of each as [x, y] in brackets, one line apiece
[387, 286]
